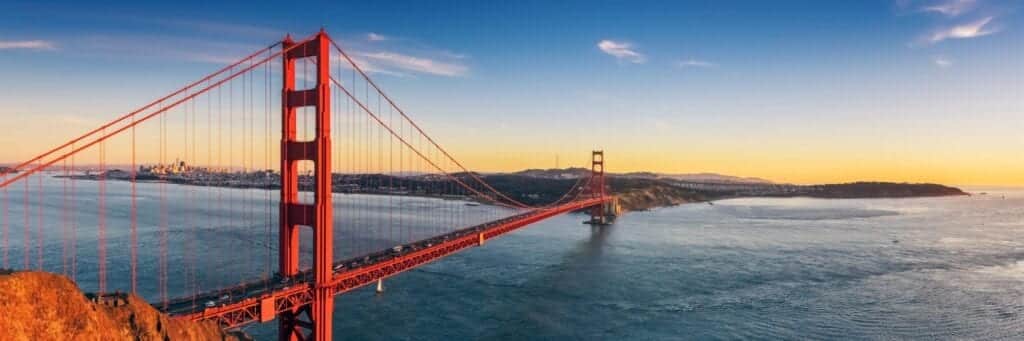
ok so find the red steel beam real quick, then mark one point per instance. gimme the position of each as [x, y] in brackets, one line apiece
[302, 294]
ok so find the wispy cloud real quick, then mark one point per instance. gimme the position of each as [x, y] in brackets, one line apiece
[387, 59]
[401, 57]
[43, 45]
[367, 66]
[942, 62]
[622, 51]
[695, 63]
[376, 37]
[978, 28]
[951, 8]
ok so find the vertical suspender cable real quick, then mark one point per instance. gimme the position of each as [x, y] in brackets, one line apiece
[26, 234]
[391, 185]
[7, 228]
[221, 169]
[220, 156]
[402, 184]
[74, 223]
[163, 213]
[102, 230]
[252, 165]
[64, 218]
[335, 138]
[232, 220]
[243, 219]
[381, 167]
[351, 122]
[194, 198]
[210, 171]
[39, 222]
[187, 214]
[266, 167]
[368, 134]
[134, 217]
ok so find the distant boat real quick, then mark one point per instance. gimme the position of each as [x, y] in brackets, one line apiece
[711, 203]
[472, 204]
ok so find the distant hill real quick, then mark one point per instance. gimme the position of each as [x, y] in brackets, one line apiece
[878, 190]
[645, 190]
[554, 173]
[572, 173]
[699, 177]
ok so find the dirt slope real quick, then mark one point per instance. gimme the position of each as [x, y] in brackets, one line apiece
[44, 306]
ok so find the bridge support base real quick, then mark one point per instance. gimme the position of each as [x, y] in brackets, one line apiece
[599, 221]
[604, 214]
[380, 286]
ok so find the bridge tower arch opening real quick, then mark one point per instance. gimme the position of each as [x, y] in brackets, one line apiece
[312, 321]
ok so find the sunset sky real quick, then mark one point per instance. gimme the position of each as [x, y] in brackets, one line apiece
[792, 91]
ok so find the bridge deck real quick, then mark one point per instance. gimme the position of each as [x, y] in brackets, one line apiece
[260, 301]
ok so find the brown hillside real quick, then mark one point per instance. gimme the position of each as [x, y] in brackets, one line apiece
[44, 306]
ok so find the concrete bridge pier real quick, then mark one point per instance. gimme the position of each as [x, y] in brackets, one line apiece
[605, 213]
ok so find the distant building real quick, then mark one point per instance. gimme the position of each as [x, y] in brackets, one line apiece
[178, 167]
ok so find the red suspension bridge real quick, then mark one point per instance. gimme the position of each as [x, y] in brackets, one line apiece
[214, 212]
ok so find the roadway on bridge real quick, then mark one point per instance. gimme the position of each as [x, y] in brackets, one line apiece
[261, 288]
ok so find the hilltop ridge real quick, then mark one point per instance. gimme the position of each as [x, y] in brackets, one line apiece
[706, 177]
[645, 190]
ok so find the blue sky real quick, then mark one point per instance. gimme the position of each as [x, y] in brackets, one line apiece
[801, 91]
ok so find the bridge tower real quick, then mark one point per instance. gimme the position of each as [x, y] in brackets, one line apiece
[598, 214]
[316, 322]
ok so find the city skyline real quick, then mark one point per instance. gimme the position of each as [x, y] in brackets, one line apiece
[916, 91]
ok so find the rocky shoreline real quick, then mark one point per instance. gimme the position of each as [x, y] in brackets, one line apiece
[663, 194]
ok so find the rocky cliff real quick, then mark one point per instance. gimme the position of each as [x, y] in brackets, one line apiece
[44, 306]
[642, 194]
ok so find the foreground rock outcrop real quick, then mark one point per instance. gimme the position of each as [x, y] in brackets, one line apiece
[45, 306]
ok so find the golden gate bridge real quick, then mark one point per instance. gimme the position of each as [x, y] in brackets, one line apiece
[338, 134]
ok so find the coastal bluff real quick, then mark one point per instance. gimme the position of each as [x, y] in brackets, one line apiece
[44, 306]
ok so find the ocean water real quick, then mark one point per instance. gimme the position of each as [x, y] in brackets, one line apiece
[929, 268]
[872, 269]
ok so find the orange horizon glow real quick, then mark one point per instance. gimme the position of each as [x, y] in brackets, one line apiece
[795, 167]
